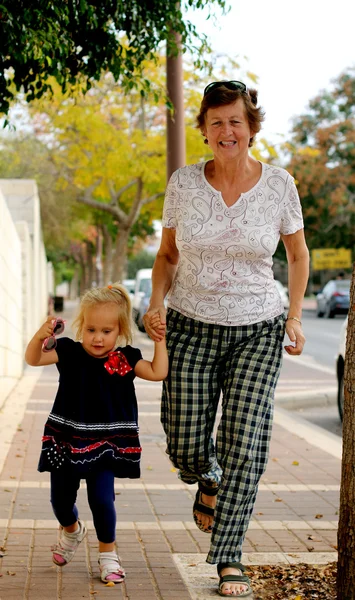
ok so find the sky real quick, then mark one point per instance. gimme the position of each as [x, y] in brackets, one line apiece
[295, 48]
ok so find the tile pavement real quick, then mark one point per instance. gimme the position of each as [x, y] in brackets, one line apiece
[294, 520]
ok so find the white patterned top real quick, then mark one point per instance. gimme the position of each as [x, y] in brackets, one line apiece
[224, 275]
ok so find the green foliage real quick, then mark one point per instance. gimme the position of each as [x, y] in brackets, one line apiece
[142, 260]
[322, 160]
[77, 40]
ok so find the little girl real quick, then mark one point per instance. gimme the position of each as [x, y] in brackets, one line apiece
[92, 430]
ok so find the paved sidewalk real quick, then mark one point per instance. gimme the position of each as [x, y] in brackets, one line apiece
[295, 517]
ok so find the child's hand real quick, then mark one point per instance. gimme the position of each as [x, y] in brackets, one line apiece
[47, 329]
[155, 323]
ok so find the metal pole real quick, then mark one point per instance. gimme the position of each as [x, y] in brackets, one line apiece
[176, 152]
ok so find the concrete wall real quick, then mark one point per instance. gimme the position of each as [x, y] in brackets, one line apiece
[11, 320]
[26, 278]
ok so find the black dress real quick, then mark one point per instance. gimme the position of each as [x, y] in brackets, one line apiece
[93, 423]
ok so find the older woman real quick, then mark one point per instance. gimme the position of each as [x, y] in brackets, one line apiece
[225, 321]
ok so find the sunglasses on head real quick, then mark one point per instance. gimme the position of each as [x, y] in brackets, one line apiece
[230, 85]
[50, 342]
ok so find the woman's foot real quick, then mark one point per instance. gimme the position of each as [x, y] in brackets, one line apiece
[232, 581]
[68, 544]
[204, 505]
[110, 567]
[202, 520]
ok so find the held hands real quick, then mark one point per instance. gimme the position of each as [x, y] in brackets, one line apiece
[154, 322]
[295, 334]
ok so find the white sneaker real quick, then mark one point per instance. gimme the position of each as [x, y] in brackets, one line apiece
[68, 544]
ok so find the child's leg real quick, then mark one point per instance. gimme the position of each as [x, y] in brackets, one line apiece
[101, 498]
[64, 488]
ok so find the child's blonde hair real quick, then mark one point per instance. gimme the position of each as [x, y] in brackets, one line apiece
[115, 293]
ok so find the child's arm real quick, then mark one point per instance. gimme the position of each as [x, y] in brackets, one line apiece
[34, 355]
[156, 370]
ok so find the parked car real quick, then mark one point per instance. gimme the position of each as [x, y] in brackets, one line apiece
[340, 361]
[141, 296]
[334, 298]
[129, 285]
[283, 293]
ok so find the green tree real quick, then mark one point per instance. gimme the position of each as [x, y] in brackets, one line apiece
[323, 162]
[81, 39]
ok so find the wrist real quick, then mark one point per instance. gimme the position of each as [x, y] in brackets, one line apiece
[292, 318]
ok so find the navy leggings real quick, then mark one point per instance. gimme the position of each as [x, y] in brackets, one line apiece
[101, 498]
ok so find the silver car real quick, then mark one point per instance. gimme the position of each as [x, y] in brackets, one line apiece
[334, 298]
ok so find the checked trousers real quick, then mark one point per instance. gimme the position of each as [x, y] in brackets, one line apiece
[239, 366]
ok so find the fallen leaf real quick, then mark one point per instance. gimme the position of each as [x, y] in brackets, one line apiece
[12, 476]
[149, 468]
[318, 517]
[296, 463]
[173, 470]
[278, 500]
[12, 573]
[109, 584]
[18, 455]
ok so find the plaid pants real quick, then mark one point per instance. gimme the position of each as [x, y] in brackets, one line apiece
[243, 364]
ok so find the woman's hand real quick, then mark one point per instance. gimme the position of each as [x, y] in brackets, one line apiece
[154, 322]
[296, 335]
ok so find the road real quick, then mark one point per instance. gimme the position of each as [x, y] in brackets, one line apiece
[307, 384]
[319, 357]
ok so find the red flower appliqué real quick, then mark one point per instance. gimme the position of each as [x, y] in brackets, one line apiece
[117, 363]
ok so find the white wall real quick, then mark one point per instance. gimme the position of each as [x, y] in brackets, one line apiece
[11, 324]
[26, 278]
[23, 201]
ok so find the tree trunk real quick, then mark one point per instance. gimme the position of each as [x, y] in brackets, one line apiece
[107, 260]
[346, 530]
[120, 260]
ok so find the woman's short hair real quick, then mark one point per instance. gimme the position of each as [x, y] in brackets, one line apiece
[222, 96]
[111, 294]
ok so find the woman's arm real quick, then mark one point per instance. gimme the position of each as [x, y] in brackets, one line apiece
[163, 274]
[34, 355]
[156, 370]
[298, 273]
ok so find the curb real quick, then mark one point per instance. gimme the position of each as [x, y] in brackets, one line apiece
[302, 399]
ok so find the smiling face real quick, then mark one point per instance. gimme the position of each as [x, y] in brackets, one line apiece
[227, 131]
[100, 329]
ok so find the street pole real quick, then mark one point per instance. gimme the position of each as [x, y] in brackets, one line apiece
[176, 151]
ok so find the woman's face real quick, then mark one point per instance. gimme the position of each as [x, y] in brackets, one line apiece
[227, 131]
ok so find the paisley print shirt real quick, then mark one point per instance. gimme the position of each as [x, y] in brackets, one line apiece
[224, 275]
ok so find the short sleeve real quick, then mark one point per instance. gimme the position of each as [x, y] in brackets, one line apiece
[65, 349]
[170, 202]
[291, 215]
[133, 355]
